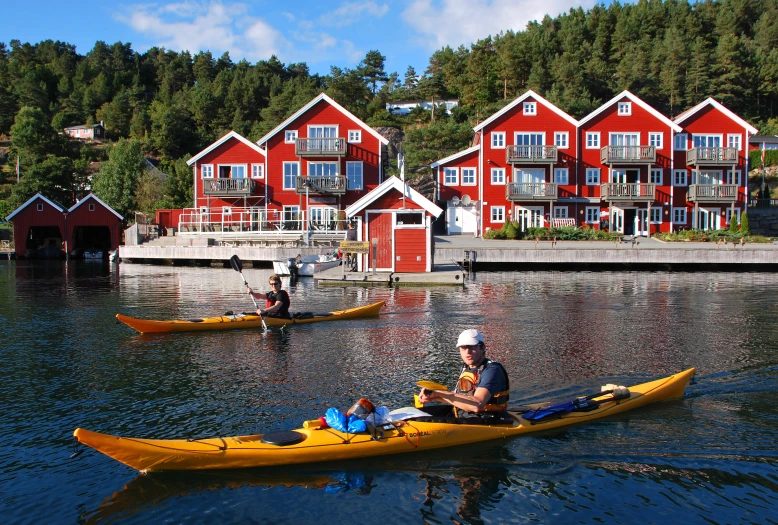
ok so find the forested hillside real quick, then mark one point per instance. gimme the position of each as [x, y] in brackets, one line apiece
[169, 105]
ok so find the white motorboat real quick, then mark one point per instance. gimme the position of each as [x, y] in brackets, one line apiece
[305, 266]
[93, 255]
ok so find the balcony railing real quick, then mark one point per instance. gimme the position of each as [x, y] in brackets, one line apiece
[228, 186]
[627, 192]
[711, 156]
[258, 221]
[538, 191]
[712, 193]
[320, 146]
[530, 154]
[329, 185]
[628, 154]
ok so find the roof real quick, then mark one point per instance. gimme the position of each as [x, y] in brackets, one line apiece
[225, 138]
[521, 99]
[92, 196]
[309, 105]
[85, 126]
[34, 197]
[393, 183]
[455, 156]
[763, 139]
[710, 102]
[675, 127]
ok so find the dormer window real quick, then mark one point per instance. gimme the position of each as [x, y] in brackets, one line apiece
[290, 136]
[531, 108]
[91, 207]
[40, 207]
[625, 109]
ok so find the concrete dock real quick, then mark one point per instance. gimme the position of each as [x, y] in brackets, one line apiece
[441, 275]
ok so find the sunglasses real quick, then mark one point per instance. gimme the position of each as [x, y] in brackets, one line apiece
[274, 283]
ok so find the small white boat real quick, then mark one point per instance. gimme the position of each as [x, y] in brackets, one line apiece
[305, 266]
[93, 255]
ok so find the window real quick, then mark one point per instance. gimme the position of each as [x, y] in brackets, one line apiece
[592, 140]
[450, 176]
[39, 207]
[592, 215]
[498, 213]
[291, 218]
[91, 207]
[679, 215]
[468, 176]
[656, 176]
[680, 142]
[560, 175]
[257, 171]
[322, 132]
[733, 177]
[207, 171]
[291, 172]
[498, 175]
[354, 175]
[733, 141]
[290, 136]
[592, 176]
[561, 139]
[625, 108]
[322, 169]
[656, 216]
[560, 212]
[232, 171]
[410, 217]
[530, 108]
[679, 178]
[732, 215]
[706, 141]
[355, 135]
[530, 139]
[655, 139]
[498, 139]
[321, 217]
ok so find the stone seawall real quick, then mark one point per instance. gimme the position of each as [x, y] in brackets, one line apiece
[763, 221]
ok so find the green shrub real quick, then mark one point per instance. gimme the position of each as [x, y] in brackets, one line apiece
[511, 232]
[733, 225]
[744, 227]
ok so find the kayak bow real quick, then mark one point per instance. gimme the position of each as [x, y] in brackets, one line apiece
[230, 322]
[313, 444]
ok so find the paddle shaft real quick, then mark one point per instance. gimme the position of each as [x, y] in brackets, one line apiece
[237, 265]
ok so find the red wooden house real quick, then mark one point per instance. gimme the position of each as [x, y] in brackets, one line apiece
[625, 166]
[710, 172]
[92, 225]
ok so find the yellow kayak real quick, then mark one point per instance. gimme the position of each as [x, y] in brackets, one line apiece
[314, 444]
[230, 322]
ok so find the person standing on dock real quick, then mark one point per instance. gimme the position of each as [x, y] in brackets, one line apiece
[482, 389]
[277, 300]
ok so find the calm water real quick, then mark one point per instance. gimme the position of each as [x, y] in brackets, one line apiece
[708, 458]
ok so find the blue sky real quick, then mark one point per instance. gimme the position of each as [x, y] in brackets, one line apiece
[318, 33]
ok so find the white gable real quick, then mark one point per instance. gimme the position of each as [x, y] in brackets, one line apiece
[521, 99]
[36, 196]
[225, 138]
[675, 127]
[390, 184]
[709, 101]
[94, 197]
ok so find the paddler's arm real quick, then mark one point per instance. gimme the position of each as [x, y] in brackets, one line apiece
[474, 403]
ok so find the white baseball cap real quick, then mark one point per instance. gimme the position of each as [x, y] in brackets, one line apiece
[470, 337]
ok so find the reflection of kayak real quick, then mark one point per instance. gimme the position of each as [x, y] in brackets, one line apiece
[232, 321]
[313, 444]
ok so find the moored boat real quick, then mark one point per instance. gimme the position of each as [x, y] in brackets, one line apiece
[306, 266]
[245, 320]
[312, 443]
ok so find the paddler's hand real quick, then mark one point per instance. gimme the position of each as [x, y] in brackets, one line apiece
[425, 396]
[249, 291]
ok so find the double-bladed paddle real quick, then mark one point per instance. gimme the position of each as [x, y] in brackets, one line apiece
[427, 385]
[238, 267]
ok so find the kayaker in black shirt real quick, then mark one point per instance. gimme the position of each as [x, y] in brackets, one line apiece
[277, 300]
[482, 389]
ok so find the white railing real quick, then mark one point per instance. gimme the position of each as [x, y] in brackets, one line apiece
[253, 220]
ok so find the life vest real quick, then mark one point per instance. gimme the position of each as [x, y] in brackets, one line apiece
[272, 297]
[468, 381]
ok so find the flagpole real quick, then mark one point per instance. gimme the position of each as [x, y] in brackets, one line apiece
[17, 168]
[763, 185]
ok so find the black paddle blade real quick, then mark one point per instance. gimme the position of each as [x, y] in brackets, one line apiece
[236, 264]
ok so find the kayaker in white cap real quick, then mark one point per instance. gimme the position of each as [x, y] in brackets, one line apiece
[482, 389]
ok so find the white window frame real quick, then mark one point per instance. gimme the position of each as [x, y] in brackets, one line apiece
[498, 176]
[451, 171]
[206, 171]
[655, 177]
[291, 213]
[498, 140]
[679, 214]
[562, 139]
[593, 176]
[290, 136]
[592, 215]
[498, 214]
[91, 207]
[656, 210]
[592, 140]
[295, 175]
[323, 163]
[471, 172]
[680, 183]
[708, 135]
[624, 109]
[322, 127]
[542, 135]
[355, 136]
[735, 140]
[351, 165]
[530, 109]
[681, 142]
[560, 212]
[39, 207]
[561, 176]
[737, 177]
[257, 171]
[232, 166]
[728, 214]
[656, 139]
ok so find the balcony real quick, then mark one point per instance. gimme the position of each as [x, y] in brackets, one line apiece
[320, 147]
[628, 154]
[531, 191]
[628, 192]
[227, 187]
[530, 154]
[711, 156]
[712, 192]
[323, 185]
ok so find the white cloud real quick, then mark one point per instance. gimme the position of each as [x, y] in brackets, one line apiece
[351, 12]
[453, 23]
